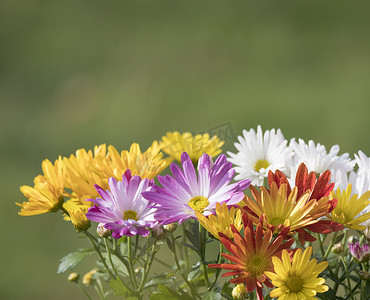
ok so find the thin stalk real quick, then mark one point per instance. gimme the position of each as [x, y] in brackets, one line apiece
[218, 271]
[185, 248]
[99, 253]
[330, 246]
[148, 265]
[363, 284]
[84, 291]
[202, 244]
[348, 278]
[194, 292]
[131, 264]
[100, 290]
[110, 256]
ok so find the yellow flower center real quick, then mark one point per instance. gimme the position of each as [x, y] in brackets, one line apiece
[261, 164]
[130, 215]
[198, 203]
[256, 265]
[277, 221]
[294, 283]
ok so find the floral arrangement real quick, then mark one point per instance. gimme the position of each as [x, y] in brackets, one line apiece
[286, 220]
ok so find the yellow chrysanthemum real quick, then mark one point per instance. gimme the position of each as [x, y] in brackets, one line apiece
[281, 210]
[47, 193]
[147, 164]
[349, 207]
[297, 280]
[175, 143]
[78, 219]
[86, 169]
[83, 172]
[222, 220]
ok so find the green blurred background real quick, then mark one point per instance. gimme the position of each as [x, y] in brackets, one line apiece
[79, 73]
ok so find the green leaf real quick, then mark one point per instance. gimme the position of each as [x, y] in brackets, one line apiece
[118, 287]
[157, 281]
[168, 294]
[212, 296]
[72, 259]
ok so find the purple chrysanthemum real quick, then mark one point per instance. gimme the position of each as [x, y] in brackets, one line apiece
[184, 193]
[359, 253]
[122, 209]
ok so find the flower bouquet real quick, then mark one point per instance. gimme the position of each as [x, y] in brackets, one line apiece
[285, 220]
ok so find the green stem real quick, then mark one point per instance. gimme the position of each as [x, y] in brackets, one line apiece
[84, 291]
[186, 252]
[131, 264]
[347, 275]
[363, 284]
[88, 234]
[184, 277]
[100, 290]
[148, 265]
[110, 256]
[330, 246]
[202, 244]
[218, 271]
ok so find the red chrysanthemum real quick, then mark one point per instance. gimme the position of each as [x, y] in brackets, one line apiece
[251, 255]
[319, 187]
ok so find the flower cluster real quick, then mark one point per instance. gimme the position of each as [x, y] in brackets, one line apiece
[263, 206]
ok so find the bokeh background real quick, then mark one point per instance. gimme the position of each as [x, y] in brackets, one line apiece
[76, 74]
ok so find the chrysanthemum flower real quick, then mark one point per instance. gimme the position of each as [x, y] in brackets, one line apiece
[280, 209]
[146, 164]
[87, 169]
[47, 193]
[174, 144]
[297, 279]
[122, 209]
[251, 255]
[259, 153]
[349, 207]
[78, 219]
[317, 188]
[221, 221]
[359, 253]
[184, 194]
[319, 160]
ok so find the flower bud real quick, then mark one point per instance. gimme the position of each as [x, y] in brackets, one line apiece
[170, 227]
[103, 232]
[337, 248]
[364, 275]
[79, 220]
[73, 277]
[239, 292]
[360, 253]
[352, 239]
[87, 278]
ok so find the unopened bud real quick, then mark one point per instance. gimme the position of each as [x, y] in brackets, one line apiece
[170, 227]
[103, 232]
[137, 270]
[352, 239]
[364, 275]
[79, 220]
[73, 277]
[158, 232]
[337, 248]
[239, 292]
[87, 278]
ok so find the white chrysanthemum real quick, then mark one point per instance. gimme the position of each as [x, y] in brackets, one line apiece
[317, 159]
[259, 153]
[361, 181]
